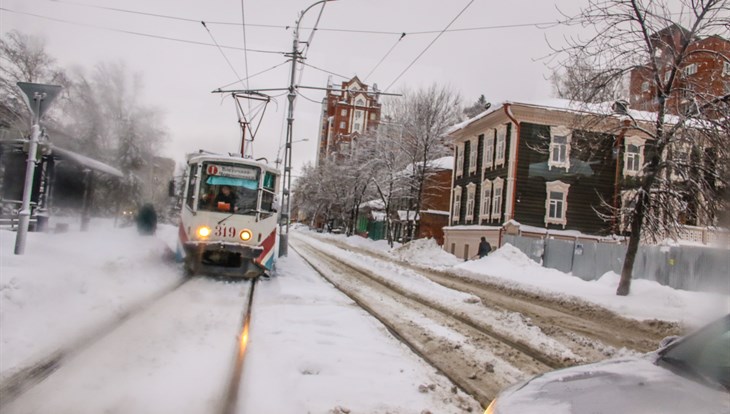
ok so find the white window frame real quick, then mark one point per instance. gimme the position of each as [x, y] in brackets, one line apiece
[460, 160]
[725, 68]
[638, 157]
[501, 146]
[486, 199]
[344, 112]
[557, 187]
[473, 147]
[343, 125]
[559, 131]
[690, 69]
[666, 75]
[488, 160]
[470, 193]
[456, 208]
[645, 86]
[359, 103]
[497, 197]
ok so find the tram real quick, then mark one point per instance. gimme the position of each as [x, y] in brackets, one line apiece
[229, 216]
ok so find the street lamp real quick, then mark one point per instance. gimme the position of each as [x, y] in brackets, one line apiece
[286, 179]
[278, 152]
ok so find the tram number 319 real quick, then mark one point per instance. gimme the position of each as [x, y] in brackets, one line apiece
[225, 231]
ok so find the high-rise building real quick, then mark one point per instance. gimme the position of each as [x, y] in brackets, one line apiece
[347, 113]
[705, 72]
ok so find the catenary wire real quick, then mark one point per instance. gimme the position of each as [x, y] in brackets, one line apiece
[111, 29]
[384, 57]
[256, 74]
[245, 54]
[230, 65]
[325, 29]
[429, 45]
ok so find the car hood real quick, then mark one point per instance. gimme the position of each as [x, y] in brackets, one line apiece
[627, 386]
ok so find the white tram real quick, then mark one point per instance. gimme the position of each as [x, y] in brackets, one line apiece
[228, 223]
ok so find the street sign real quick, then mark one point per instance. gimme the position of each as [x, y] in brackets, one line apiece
[39, 96]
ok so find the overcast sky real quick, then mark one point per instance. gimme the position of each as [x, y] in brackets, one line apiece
[498, 57]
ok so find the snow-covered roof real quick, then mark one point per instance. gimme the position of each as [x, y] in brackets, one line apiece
[376, 204]
[404, 215]
[87, 162]
[565, 105]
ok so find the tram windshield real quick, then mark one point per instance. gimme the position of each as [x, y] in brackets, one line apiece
[229, 188]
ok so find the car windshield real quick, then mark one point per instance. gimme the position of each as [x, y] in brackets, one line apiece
[229, 189]
[704, 355]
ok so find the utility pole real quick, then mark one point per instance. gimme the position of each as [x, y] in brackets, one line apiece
[38, 97]
[284, 218]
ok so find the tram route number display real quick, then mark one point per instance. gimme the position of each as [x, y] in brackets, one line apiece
[231, 171]
[225, 231]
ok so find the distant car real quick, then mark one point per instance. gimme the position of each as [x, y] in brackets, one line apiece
[686, 375]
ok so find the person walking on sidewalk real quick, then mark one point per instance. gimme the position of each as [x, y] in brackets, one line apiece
[484, 247]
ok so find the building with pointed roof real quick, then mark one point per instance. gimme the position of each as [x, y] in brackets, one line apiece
[347, 112]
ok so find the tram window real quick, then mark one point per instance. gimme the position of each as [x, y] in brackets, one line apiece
[190, 201]
[267, 201]
[228, 194]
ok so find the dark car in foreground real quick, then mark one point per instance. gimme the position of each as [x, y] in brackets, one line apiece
[686, 375]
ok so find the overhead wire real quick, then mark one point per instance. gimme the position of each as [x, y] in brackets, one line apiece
[245, 54]
[111, 29]
[223, 53]
[384, 57]
[324, 70]
[429, 45]
[256, 74]
[326, 29]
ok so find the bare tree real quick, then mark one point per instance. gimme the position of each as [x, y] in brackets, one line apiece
[23, 58]
[686, 126]
[477, 107]
[425, 115]
[578, 80]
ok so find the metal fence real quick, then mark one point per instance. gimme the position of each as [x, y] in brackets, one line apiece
[682, 267]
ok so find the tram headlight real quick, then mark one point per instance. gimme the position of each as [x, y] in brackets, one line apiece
[245, 235]
[203, 231]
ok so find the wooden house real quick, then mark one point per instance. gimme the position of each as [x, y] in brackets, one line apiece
[553, 165]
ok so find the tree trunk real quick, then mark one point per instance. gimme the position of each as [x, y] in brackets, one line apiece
[624, 285]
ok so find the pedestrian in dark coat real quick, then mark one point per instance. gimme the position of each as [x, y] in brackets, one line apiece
[147, 220]
[484, 247]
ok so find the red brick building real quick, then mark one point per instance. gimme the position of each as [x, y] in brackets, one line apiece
[705, 73]
[347, 112]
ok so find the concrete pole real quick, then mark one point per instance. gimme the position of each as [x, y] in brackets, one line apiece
[24, 213]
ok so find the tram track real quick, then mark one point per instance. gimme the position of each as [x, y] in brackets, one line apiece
[144, 347]
[231, 396]
[25, 378]
[474, 357]
[589, 330]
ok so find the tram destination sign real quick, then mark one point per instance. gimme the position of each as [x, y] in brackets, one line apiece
[232, 171]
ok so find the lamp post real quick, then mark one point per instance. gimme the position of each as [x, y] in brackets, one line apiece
[278, 152]
[286, 179]
[38, 97]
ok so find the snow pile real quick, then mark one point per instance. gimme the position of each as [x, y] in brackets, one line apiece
[647, 300]
[506, 257]
[426, 252]
[67, 284]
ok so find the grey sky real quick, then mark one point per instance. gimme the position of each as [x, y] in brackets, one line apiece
[499, 62]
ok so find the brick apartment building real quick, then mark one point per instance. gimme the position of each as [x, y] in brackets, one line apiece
[704, 72]
[347, 112]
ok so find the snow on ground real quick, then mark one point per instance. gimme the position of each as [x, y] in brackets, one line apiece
[510, 267]
[311, 349]
[68, 284]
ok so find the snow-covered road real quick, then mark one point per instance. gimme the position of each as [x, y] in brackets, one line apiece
[175, 357]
